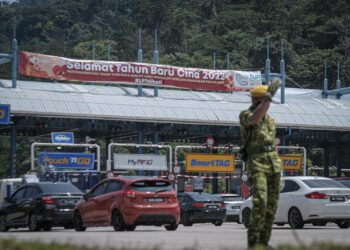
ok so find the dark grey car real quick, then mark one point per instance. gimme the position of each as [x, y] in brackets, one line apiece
[40, 206]
[201, 208]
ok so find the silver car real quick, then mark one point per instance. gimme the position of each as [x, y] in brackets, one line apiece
[233, 204]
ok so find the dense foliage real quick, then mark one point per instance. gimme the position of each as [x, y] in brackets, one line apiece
[189, 33]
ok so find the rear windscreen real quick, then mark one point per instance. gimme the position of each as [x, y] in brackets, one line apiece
[204, 197]
[323, 184]
[151, 186]
[345, 183]
[59, 188]
[231, 198]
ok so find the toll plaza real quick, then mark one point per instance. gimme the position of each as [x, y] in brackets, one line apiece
[188, 111]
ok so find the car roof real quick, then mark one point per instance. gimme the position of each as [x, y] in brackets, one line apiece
[131, 179]
[306, 178]
[229, 195]
[341, 178]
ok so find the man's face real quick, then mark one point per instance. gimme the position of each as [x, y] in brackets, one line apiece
[257, 100]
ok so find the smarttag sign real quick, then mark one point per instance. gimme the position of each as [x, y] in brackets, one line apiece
[67, 160]
[4, 114]
[209, 163]
[62, 137]
[291, 162]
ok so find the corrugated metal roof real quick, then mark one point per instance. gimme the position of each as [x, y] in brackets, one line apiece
[303, 108]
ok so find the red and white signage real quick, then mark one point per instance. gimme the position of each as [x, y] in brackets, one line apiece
[65, 69]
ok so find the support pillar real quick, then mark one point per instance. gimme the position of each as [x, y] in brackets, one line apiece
[13, 151]
[140, 140]
[155, 140]
[326, 160]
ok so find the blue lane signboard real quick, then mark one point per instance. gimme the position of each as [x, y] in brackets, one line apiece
[67, 160]
[4, 114]
[62, 137]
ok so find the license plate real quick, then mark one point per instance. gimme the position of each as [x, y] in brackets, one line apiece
[338, 198]
[212, 206]
[67, 202]
[155, 199]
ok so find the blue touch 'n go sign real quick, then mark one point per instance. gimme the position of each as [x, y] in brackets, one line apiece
[67, 160]
[4, 114]
[62, 137]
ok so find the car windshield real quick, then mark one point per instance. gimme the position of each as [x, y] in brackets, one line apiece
[323, 183]
[231, 198]
[345, 182]
[204, 197]
[151, 186]
[59, 188]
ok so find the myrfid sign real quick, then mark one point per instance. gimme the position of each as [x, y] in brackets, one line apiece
[60, 68]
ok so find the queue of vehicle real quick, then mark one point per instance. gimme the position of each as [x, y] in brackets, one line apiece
[125, 202]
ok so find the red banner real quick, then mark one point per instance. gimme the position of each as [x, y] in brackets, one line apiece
[65, 69]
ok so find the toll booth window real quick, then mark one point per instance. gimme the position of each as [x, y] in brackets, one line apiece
[151, 186]
[114, 186]
[290, 186]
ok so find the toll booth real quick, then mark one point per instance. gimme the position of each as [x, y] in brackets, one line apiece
[214, 168]
[75, 163]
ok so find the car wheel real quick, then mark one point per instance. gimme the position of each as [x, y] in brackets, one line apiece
[78, 222]
[33, 223]
[3, 226]
[319, 224]
[47, 227]
[246, 217]
[118, 221]
[343, 224]
[171, 227]
[295, 219]
[218, 223]
[186, 221]
[130, 227]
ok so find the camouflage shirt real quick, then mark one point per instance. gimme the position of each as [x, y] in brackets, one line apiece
[262, 134]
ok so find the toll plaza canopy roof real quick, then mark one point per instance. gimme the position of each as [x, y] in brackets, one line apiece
[303, 108]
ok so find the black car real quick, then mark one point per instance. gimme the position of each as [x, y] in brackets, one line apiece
[201, 208]
[40, 206]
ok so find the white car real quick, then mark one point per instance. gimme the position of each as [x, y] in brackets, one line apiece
[233, 204]
[308, 199]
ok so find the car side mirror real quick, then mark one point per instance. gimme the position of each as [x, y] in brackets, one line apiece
[8, 199]
[86, 196]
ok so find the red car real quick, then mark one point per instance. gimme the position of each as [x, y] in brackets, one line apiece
[125, 202]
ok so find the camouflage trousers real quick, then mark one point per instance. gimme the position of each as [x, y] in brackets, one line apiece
[265, 193]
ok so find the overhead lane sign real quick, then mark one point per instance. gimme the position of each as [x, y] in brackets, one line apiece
[67, 160]
[209, 163]
[291, 162]
[4, 114]
[62, 137]
[61, 68]
[139, 162]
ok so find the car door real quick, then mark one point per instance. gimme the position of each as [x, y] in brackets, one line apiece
[286, 200]
[91, 212]
[15, 214]
[113, 195]
[29, 202]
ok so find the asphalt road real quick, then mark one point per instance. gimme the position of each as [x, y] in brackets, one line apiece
[199, 236]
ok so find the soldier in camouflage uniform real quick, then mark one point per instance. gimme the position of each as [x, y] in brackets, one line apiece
[263, 164]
